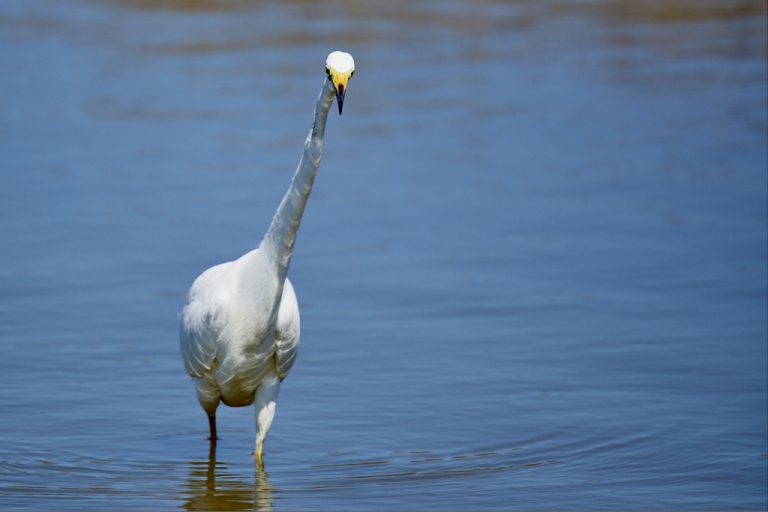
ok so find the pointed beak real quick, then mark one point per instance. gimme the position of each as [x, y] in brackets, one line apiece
[339, 82]
[340, 91]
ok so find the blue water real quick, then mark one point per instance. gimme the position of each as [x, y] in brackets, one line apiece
[532, 272]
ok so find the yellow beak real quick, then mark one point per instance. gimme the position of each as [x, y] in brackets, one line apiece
[340, 81]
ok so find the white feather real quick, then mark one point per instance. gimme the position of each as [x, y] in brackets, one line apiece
[340, 61]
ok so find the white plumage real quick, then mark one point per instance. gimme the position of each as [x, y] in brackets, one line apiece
[240, 327]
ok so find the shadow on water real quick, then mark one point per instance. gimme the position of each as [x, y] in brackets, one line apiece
[212, 486]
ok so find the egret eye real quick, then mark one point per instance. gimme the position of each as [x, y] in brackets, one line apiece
[353, 73]
[328, 71]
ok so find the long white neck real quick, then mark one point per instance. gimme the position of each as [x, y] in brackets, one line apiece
[281, 234]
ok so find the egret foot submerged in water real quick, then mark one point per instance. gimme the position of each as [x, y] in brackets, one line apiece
[240, 327]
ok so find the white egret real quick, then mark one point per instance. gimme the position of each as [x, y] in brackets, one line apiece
[240, 327]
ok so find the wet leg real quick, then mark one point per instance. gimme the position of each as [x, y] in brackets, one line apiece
[265, 404]
[212, 428]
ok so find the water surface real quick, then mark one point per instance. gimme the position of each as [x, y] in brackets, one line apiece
[532, 272]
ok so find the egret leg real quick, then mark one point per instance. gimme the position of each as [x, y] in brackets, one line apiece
[258, 454]
[265, 403]
[212, 428]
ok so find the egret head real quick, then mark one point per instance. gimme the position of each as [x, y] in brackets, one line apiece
[340, 66]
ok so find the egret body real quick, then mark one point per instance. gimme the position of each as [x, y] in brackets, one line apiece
[240, 327]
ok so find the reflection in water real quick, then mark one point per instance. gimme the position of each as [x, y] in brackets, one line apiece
[211, 487]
